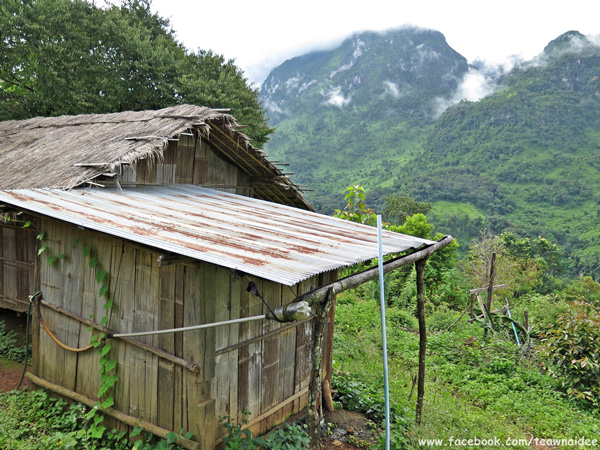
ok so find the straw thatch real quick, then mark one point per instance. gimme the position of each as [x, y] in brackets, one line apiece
[68, 151]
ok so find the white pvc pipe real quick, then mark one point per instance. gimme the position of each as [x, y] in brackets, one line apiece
[384, 337]
[190, 328]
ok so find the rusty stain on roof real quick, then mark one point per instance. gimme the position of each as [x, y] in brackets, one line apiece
[268, 240]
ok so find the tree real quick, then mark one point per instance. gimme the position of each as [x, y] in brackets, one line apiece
[398, 208]
[72, 57]
[356, 209]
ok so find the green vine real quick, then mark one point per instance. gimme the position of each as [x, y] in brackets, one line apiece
[108, 365]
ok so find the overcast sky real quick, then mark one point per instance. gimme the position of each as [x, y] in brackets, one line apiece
[261, 34]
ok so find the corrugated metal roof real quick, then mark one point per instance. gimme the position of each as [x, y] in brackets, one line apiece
[268, 240]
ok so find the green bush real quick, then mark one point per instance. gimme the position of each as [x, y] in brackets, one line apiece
[32, 420]
[571, 349]
[290, 437]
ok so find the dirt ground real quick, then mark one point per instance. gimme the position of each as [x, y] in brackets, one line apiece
[348, 431]
[10, 372]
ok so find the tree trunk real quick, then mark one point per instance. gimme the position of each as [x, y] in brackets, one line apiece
[315, 385]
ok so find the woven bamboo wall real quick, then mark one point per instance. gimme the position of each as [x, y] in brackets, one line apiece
[17, 264]
[262, 367]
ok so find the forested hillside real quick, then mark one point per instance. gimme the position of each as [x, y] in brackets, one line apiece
[524, 159]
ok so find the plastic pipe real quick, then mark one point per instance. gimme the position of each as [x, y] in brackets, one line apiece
[383, 337]
[288, 313]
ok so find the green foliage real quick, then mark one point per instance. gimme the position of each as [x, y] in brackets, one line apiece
[32, 420]
[398, 208]
[356, 210]
[147, 442]
[290, 437]
[238, 438]
[73, 57]
[571, 350]
[361, 397]
[8, 345]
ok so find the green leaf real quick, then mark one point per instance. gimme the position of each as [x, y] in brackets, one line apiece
[86, 251]
[42, 249]
[110, 365]
[108, 304]
[41, 236]
[51, 260]
[27, 224]
[100, 275]
[76, 242]
[105, 349]
[93, 262]
[108, 402]
[97, 432]
[102, 292]
[104, 321]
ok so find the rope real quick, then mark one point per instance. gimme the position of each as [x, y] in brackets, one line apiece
[52, 336]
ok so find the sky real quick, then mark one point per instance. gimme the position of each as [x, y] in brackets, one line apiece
[261, 34]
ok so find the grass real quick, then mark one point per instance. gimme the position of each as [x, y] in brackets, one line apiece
[475, 387]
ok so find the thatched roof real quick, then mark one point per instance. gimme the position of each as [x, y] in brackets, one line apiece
[68, 151]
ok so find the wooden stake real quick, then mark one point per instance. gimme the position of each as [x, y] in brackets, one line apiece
[420, 267]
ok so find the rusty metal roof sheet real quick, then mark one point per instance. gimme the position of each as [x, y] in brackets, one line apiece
[264, 239]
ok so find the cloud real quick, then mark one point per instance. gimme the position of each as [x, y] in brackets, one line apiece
[475, 85]
[335, 97]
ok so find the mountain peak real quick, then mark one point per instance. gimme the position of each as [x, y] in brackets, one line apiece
[400, 69]
[572, 42]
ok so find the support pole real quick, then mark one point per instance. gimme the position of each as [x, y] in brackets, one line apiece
[420, 267]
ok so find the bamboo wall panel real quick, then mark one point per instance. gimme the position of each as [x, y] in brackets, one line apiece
[184, 159]
[190, 160]
[18, 249]
[9, 253]
[253, 366]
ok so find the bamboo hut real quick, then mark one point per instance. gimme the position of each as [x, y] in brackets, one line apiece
[153, 220]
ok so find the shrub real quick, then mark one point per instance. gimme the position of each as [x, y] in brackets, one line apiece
[571, 348]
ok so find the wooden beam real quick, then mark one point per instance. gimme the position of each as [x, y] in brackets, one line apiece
[357, 279]
[484, 289]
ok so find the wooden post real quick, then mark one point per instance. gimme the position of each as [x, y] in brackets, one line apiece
[420, 267]
[490, 288]
[314, 387]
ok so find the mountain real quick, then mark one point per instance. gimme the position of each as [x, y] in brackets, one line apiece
[344, 115]
[525, 158]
